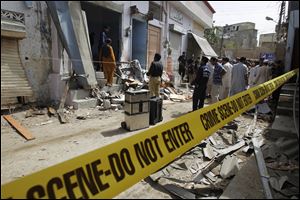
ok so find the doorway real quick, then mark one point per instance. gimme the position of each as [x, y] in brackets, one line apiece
[154, 41]
[97, 18]
[139, 41]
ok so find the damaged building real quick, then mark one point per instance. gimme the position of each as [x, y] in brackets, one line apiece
[44, 43]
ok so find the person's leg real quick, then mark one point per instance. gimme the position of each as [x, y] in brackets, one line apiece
[105, 72]
[157, 86]
[111, 75]
[208, 89]
[215, 93]
[195, 99]
[151, 87]
[202, 98]
[222, 92]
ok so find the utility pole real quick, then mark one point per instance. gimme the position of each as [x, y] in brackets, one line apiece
[281, 15]
[223, 32]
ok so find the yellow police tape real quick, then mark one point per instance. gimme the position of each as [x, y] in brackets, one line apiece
[107, 171]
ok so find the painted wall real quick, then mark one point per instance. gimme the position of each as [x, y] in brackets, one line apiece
[35, 49]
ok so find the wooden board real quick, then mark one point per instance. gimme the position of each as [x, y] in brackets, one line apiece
[22, 130]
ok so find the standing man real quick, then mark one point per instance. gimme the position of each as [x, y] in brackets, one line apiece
[277, 70]
[182, 64]
[102, 41]
[190, 68]
[107, 56]
[200, 83]
[239, 77]
[264, 73]
[219, 72]
[226, 79]
[155, 73]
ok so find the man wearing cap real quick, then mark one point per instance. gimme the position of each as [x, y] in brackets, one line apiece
[263, 73]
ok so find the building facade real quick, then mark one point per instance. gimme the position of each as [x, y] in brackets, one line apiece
[139, 29]
[267, 40]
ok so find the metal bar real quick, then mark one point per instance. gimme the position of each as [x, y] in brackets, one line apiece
[262, 169]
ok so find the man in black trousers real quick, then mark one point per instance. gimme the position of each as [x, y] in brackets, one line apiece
[200, 83]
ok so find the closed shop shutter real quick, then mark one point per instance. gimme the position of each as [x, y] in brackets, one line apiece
[175, 40]
[14, 82]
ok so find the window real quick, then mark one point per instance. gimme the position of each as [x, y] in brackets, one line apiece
[156, 10]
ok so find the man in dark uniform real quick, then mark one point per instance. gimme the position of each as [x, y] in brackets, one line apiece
[155, 73]
[182, 64]
[200, 83]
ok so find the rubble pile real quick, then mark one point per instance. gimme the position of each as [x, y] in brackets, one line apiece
[206, 170]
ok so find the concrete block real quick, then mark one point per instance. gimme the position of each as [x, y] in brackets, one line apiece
[99, 75]
[85, 103]
[118, 101]
[76, 95]
[106, 104]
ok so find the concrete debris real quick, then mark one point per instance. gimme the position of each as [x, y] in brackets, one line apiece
[31, 113]
[246, 149]
[81, 117]
[51, 111]
[293, 178]
[106, 104]
[208, 152]
[211, 176]
[290, 191]
[263, 108]
[157, 175]
[229, 166]
[283, 166]
[177, 97]
[231, 125]
[277, 184]
[180, 192]
[231, 148]
[212, 140]
[47, 122]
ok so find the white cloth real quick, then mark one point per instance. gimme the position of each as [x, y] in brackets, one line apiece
[215, 91]
[226, 79]
[238, 81]
[252, 75]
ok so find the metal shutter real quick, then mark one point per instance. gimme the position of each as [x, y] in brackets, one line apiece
[14, 82]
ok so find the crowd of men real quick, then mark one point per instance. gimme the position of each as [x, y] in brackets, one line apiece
[216, 79]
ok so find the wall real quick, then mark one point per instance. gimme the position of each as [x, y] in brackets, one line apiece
[185, 23]
[35, 49]
[197, 11]
[242, 39]
[198, 29]
[269, 37]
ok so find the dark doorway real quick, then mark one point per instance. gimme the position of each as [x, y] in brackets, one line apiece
[97, 18]
[139, 41]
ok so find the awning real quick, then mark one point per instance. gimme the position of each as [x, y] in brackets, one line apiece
[205, 46]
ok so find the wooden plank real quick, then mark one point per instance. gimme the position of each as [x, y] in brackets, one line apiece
[22, 130]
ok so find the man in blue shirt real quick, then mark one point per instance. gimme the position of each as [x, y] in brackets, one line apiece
[219, 71]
